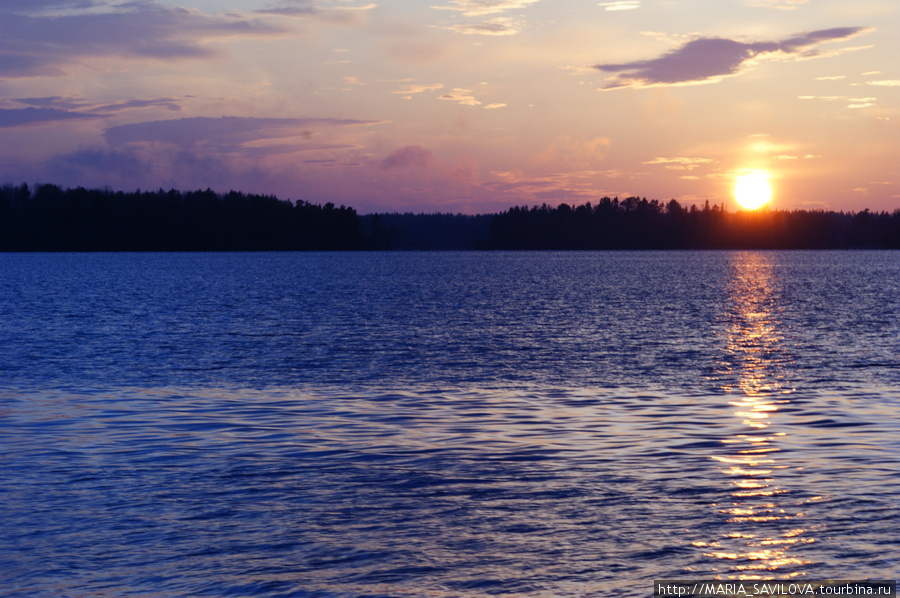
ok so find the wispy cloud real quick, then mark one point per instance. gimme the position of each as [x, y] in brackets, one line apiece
[224, 134]
[198, 152]
[572, 154]
[578, 186]
[338, 15]
[31, 6]
[463, 96]
[52, 109]
[886, 83]
[410, 156]
[680, 163]
[495, 26]
[621, 5]
[707, 60]
[823, 98]
[854, 103]
[477, 8]
[779, 4]
[414, 88]
[80, 104]
[31, 116]
[38, 43]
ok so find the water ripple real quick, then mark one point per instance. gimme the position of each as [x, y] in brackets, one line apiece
[478, 492]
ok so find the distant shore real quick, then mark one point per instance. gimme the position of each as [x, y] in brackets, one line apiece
[50, 218]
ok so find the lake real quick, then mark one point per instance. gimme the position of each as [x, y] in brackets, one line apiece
[445, 424]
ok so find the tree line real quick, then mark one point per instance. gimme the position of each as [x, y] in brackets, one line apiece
[636, 223]
[49, 218]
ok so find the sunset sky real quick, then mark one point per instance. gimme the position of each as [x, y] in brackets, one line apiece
[457, 105]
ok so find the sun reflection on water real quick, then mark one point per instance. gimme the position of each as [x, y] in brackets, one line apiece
[764, 530]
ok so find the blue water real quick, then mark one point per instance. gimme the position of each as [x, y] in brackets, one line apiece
[445, 424]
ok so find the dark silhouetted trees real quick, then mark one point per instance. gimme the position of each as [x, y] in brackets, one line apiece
[48, 218]
[635, 223]
[427, 231]
[53, 219]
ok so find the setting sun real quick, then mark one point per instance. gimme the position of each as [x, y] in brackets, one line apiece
[752, 190]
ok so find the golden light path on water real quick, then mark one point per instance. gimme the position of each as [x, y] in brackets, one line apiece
[766, 532]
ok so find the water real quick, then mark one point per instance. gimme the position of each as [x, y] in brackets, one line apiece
[445, 424]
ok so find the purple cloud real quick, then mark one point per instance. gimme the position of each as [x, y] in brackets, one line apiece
[24, 117]
[410, 155]
[70, 103]
[58, 102]
[472, 8]
[707, 60]
[37, 43]
[338, 15]
[37, 5]
[288, 11]
[226, 131]
[136, 103]
[99, 166]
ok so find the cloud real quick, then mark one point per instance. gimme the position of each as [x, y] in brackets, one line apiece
[779, 4]
[39, 5]
[57, 108]
[72, 103]
[707, 60]
[418, 88]
[463, 96]
[890, 83]
[338, 15]
[861, 102]
[225, 134]
[621, 5]
[59, 102]
[680, 163]
[99, 166]
[131, 167]
[572, 153]
[37, 43]
[410, 155]
[580, 185]
[173, 104]
[495, 26]
[476, 8]
[823, 98]
[853, 102]
[24, 117]
[288, 11]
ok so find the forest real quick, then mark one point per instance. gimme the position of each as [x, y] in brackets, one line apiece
[636, 223]
[49, 218]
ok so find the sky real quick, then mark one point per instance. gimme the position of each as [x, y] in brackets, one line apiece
[468, 106]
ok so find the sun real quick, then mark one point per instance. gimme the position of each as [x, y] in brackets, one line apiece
[752, 190]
